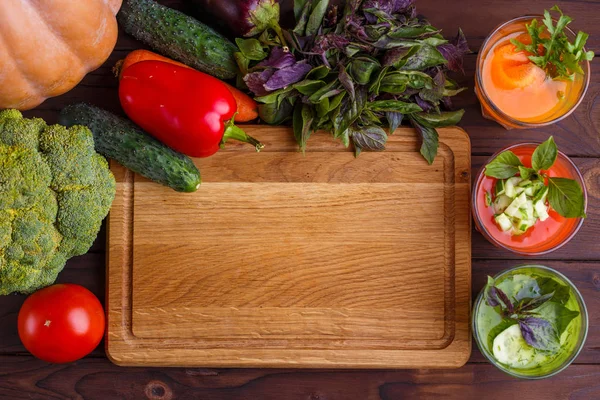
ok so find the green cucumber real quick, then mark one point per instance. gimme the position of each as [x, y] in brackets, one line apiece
[513, 209]
[179, 36]
[510, 187]
[541, 211]
[510, 348]
[123, 141]
[501, 203]
[503, 222]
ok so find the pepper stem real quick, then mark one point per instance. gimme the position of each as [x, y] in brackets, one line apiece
[237, 133]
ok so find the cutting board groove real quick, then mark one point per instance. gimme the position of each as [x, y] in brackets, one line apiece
[283, 259]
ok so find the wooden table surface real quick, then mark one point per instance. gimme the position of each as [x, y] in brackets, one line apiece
[94, 377]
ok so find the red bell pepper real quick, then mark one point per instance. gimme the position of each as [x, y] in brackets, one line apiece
[187, 110]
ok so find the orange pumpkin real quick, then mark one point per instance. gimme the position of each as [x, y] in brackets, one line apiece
[48, 46]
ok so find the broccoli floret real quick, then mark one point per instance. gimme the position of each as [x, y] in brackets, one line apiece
[55, 190]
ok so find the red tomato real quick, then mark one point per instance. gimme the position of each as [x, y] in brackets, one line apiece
[61, 323]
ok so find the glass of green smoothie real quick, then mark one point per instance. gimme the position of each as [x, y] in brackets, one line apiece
[530, 321]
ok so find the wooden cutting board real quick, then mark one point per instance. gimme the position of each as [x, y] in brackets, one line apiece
[284, 260]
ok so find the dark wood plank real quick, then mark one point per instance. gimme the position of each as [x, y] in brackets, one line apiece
[26, 377]
[584, 246]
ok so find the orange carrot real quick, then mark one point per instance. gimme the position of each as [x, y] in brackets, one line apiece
[246, 107]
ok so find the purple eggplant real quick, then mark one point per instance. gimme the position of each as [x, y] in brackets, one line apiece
[241, 17]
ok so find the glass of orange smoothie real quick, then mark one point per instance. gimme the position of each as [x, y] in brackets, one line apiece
[547, 233]
[517, 93]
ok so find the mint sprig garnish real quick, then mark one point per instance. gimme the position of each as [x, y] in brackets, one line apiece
[552, 50]
[542, 318]
[565, 195]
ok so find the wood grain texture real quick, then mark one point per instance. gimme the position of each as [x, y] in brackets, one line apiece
[283, 259]
[26, 377]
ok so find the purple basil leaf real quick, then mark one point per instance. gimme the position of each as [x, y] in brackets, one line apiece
[324, 43]
[491, 297]
[455, 51]
[371, 138]
[401, 6]
[447, 102]
[278, 59]
[256, 81]
[346, 81]
[394, 120]
[426, 106]
[528, 304]
[504, 298]
[286, 76]
[539, 333]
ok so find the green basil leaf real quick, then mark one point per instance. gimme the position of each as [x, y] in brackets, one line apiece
[439, 120]
[317, 14]
[302, 122]
[348, 112]
[301, 12]
[352, 50]
[505, 165]
[386, 42]
[544, 155]
[412, 32]
[549, 285]
[273, 114]
[273, 96]
[526, 173]
[328, 90]
[435, 41]
[318, 73]
[335, 102]
[362, 68]
[559, 313]
[368, 117]
[394, 106]
[242, 61]
[418, 79]
[394, 83]
[430, 141]
[299, 7]
[376, 84]
[371, 138]
[308, 86]
[566, 197]
[498, 329]
[251, 48]
[427, 56]
[322, 107]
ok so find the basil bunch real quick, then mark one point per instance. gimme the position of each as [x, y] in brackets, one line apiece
[350, 73]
